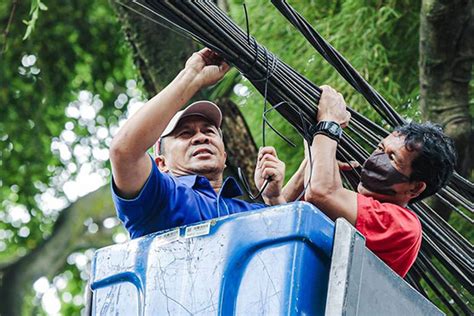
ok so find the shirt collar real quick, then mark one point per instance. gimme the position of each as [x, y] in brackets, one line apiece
[188, 181]
[230, 187]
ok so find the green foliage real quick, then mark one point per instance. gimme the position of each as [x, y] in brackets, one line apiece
[76, 46]
[379, 38]
[36, 7]
[76, 54]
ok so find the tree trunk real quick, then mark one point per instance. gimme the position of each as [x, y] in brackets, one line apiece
[240, 146]
[69, 234]
[158, 52]
[159, 55]
[446, 56]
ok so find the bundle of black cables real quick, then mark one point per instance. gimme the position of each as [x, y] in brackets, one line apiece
[296, 99]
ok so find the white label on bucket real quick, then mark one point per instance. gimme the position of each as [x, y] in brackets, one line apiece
[167, 237]
[171, 235]
[197, 230]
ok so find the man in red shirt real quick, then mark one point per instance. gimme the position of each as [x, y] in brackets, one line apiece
[413, 162]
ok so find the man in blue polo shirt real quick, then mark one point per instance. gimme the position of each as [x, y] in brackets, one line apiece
[184, 183]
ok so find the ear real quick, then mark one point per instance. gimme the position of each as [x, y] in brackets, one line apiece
[161, 163]
[417, 187]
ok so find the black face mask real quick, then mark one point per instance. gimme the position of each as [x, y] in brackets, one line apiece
[378, 175]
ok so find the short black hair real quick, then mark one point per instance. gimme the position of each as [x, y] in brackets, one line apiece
[436, 157]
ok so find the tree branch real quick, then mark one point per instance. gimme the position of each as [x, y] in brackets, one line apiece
[7, 28]
[69, 234]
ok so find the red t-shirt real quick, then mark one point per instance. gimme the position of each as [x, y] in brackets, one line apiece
[392, 232]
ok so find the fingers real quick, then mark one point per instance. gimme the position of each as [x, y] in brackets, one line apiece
[331, 98]
[207, 57]
[346, 121]
[267, 153]
[224, 67]
[268, 160]
[344, 166]
[271, 169]
[266, 150]
[204, 51]
[329, 91]
[205, 54]
[268, 164]
[210, 57]
[332, 107]
[271, 174]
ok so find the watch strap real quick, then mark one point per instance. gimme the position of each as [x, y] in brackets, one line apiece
[330, 129]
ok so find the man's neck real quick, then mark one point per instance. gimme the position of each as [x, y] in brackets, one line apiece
[216, 185]
[401, 203]
[214, 179]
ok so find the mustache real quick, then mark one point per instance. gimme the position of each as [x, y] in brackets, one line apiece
[195, 150]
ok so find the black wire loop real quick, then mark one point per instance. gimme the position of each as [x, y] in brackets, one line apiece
[246, 185]
[204, 22]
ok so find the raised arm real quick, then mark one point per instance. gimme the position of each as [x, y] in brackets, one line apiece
[128, 152]
[326, 190]
[294, 186]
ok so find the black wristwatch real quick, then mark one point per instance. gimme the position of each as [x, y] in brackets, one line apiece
[330, 129]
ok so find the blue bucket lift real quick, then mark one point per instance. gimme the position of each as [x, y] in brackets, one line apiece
[284, 260]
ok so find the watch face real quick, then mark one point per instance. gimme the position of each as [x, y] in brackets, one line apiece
[328, 128]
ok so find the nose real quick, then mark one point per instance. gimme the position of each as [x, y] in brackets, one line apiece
[200, 138]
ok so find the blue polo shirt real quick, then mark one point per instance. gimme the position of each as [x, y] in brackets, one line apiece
[165, 202]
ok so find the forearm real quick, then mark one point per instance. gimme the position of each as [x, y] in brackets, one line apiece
[295, 185]
[326, 191]
[144, 128]
[325, 177]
